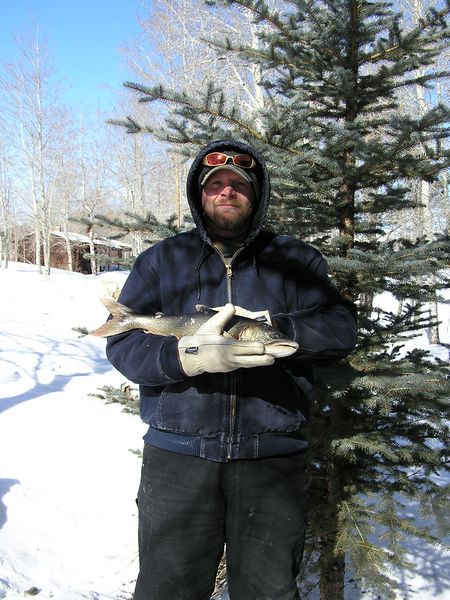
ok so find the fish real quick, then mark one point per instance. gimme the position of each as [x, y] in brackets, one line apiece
[240, 328]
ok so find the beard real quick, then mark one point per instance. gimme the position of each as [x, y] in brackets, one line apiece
[232, 221]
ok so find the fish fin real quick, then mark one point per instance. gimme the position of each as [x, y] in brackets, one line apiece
[118, 313]
[114, 307]
[103, 331]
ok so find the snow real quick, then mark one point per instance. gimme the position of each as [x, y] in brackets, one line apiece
[84, 239]
[68, 480]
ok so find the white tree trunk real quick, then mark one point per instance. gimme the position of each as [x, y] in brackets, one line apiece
[93, 260]
[425, 204]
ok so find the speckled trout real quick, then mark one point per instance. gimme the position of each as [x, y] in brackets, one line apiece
[240, 328]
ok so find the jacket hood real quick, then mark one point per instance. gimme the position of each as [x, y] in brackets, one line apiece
[194, 191]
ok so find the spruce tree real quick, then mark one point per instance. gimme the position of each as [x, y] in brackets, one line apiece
[343, 157]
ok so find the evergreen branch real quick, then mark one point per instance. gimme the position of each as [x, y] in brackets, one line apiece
[354, 522]
[314, 17]
[383, 55]
[421, 79]
[364, 443]
[434, 18]
[252, 53]
[158, 93]
[131, 125]
[262, 13]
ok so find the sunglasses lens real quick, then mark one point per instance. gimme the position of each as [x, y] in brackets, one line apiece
[214, 159]
[243, 160]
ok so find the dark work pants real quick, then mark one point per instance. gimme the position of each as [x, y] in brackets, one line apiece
[190, 507]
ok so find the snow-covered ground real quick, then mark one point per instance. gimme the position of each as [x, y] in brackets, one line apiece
[68, 479]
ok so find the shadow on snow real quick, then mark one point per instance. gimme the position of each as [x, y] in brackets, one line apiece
[5, 486]
[57, 361]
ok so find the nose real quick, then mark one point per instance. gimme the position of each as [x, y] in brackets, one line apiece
[229, 191]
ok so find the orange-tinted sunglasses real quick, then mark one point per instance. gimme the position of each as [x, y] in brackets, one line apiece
[216, 159]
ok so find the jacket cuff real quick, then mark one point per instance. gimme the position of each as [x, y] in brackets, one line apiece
[170, 363]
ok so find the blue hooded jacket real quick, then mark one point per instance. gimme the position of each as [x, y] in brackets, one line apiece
[247, 413]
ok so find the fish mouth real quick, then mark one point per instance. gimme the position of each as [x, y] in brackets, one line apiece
[282, 349]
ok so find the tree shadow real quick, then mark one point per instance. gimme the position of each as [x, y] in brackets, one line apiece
[428, 571]
[432, 564]
[5, 486]
[58, 361]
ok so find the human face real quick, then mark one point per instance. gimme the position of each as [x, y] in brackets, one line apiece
[227, 201]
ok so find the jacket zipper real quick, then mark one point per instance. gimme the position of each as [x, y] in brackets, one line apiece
[229, 271]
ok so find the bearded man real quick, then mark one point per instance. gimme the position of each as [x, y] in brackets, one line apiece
[224, 460]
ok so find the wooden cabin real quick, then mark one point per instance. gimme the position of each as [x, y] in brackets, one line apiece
[79, 247]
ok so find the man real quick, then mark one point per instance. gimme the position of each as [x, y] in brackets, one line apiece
[224, 456]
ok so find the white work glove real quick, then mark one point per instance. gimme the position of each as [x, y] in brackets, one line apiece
[211, 352]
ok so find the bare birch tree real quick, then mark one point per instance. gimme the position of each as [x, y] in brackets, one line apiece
[175, 49]
[6, 209]
[66, 183]
[95, 185]
[30, 103]
[144, 180]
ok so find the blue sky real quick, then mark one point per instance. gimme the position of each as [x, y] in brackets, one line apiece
[83, 37]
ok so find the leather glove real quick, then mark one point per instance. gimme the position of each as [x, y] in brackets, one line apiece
[211, 352]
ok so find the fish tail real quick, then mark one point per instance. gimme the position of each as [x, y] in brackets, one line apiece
[115, 324]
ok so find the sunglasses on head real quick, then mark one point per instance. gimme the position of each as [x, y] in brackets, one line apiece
[216, 159]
